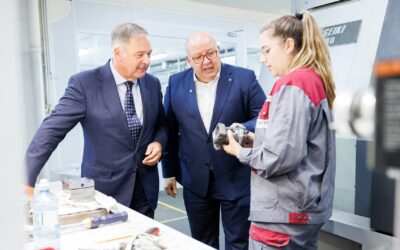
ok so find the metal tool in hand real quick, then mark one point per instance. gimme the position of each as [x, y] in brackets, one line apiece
[220, 135]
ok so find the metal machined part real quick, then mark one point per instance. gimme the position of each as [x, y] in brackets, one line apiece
[220, 135]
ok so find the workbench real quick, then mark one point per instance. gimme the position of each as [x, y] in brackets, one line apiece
[107, 237]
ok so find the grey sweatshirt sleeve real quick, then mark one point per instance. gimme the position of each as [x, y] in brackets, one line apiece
[281, 141]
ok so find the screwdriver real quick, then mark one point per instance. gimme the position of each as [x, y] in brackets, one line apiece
[96, 221]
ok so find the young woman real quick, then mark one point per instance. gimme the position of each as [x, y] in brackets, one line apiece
[293, 153]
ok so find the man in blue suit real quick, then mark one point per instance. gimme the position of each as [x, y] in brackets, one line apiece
[120, 110]
[195, 101]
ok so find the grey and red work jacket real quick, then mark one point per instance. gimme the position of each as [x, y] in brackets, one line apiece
[293, 156]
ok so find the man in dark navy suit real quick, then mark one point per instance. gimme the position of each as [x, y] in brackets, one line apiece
[214, 182]
[120, 110]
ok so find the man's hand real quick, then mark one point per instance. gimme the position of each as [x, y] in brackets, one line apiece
[170, 186]
[153, 154]
[233, 147]
[29, 191]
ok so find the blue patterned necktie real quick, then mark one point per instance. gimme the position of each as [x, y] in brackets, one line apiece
[134, 124]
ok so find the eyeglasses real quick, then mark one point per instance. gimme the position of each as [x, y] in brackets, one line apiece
[209, 54]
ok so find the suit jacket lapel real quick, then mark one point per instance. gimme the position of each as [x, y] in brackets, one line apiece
[146, 105]
[111, 99]
[223, 88]
[192, 97]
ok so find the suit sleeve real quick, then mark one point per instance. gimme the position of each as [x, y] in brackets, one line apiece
[68, 112]
[286, 132]
[256, 99]
[170, 161]
[161, 129]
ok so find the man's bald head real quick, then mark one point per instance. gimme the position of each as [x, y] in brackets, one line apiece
[198, 38]
[203, 56]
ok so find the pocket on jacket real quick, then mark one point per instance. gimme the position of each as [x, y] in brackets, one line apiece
[290, 193]
[269, 237]
[265, 197]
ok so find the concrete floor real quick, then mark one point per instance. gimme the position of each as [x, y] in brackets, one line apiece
[171, 212]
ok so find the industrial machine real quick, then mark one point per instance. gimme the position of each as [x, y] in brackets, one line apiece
[363, 35]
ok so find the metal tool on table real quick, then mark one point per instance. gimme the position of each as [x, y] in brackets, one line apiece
[96, 221]
[80, 189]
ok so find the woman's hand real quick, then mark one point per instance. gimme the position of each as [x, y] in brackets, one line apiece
[249, 140]
[233, 147]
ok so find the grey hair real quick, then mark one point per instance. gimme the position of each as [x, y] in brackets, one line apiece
[123, 32]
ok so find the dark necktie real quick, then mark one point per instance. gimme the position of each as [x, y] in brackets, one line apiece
[134, 124]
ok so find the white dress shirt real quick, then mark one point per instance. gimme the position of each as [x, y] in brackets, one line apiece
[137, 97]
[205, 93]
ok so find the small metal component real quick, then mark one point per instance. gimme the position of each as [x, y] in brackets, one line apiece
[80, 189]
[220, 135]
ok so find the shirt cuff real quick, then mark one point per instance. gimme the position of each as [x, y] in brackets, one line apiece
[169, 179]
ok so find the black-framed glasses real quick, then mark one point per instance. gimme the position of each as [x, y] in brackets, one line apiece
[212, 54]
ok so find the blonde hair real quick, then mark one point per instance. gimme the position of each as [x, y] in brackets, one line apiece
[310, 46]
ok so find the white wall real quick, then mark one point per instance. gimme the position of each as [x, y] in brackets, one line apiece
[15, 76]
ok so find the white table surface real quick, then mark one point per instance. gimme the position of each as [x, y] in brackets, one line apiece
[85, 239]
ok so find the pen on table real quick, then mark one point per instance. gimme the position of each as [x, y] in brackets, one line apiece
[116, 238]
[153, 231]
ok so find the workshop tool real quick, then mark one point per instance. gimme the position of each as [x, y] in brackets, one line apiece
[220, 135]
[96, 221]
[80, 189]
[153, 231]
